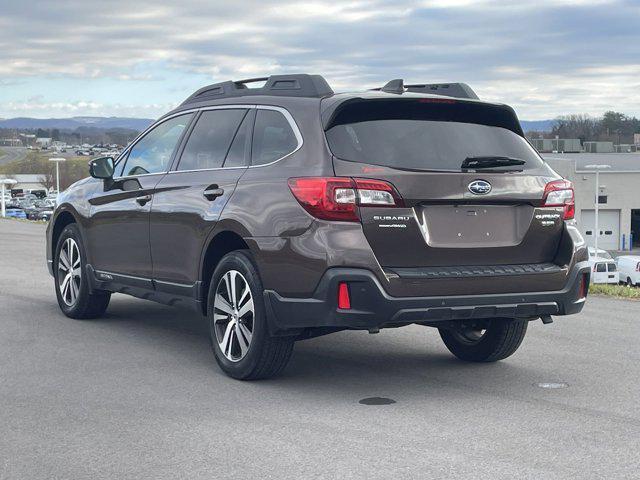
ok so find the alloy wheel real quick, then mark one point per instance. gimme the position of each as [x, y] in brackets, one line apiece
[70, 271]
[233, 315]
[470, 335]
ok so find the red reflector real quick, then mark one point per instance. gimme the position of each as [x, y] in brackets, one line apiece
[584, 286]
[344, 302]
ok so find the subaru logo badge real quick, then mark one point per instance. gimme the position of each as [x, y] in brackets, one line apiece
[479, 187]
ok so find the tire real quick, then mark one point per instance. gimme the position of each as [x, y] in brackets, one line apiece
[239, 336]
[500, 340]
[629, 282]
[76, 300]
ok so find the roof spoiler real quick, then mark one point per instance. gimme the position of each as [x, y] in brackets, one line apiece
[457, 90]
[297, 85]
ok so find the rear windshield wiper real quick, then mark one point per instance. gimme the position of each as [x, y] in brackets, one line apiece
[481, 163]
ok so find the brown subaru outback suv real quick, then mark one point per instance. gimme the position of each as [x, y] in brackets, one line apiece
[287, 211]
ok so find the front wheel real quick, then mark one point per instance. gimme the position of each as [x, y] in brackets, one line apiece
[74, 295]
[238, 329]
[497, 340]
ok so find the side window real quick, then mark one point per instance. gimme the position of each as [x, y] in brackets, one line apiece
[273, 137]
[153, 152]
[211, 139]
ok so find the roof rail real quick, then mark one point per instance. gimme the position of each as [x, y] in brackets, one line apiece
[297, 85]
[458, 90]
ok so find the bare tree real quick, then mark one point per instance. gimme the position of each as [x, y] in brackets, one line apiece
[580, 126]
[48, 180]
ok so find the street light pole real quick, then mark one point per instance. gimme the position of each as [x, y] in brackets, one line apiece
[57, 161]
[597, 168]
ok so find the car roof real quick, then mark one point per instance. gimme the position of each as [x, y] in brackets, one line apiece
[601, 260]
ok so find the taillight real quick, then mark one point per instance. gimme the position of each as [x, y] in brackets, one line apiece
[638, 267]
[338, 198]
[559, 193]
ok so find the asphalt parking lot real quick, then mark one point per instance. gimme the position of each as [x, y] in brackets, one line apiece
[138, 395]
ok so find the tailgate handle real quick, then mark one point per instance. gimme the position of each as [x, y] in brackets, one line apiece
[212, 192]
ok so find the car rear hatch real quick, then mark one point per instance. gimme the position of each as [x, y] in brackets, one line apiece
[472, 189]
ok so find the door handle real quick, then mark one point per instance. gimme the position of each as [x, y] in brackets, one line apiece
[212, 192]
[143, 200]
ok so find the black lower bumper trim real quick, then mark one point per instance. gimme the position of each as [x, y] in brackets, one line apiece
[475, 271]
[372, 307]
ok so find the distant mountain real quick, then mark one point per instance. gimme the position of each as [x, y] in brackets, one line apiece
[76, 122]
[142, 123]
[537, 125]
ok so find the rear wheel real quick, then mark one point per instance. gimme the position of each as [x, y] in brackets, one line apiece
[497, 340]
[238, 329]
[629, 282]
[72, 288]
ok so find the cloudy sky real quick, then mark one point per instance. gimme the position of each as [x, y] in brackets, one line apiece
[61, 58]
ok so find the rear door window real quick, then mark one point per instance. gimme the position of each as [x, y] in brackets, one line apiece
[273, 137]
[211, 138]
[241, 145]
[601, 267]
[429, 136]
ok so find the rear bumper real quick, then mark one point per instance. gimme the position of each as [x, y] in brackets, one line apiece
[372, 307]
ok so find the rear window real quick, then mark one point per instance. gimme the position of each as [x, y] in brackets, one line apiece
[427, 135]
[273, 137]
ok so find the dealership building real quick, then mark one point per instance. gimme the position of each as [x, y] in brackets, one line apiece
[618, 198]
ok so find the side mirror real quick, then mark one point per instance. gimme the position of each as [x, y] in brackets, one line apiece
[102, 168]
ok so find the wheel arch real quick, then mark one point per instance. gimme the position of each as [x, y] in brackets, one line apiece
[221, 243]
[62, 220]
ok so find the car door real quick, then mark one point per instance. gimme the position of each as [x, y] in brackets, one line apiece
[599, 272]
[612, 273]
[118, 233]
[190, 198]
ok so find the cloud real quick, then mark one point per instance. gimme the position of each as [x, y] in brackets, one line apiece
[545, 58]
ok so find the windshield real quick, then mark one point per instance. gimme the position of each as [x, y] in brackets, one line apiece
[431, 137]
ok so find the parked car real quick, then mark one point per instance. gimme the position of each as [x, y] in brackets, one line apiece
[15, 212]
[629, 269]
[604, 270]
[601, 253]
[43, 214]
[287, 212]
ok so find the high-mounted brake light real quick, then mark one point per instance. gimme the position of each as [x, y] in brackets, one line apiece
[338, 198]
[559, 193]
